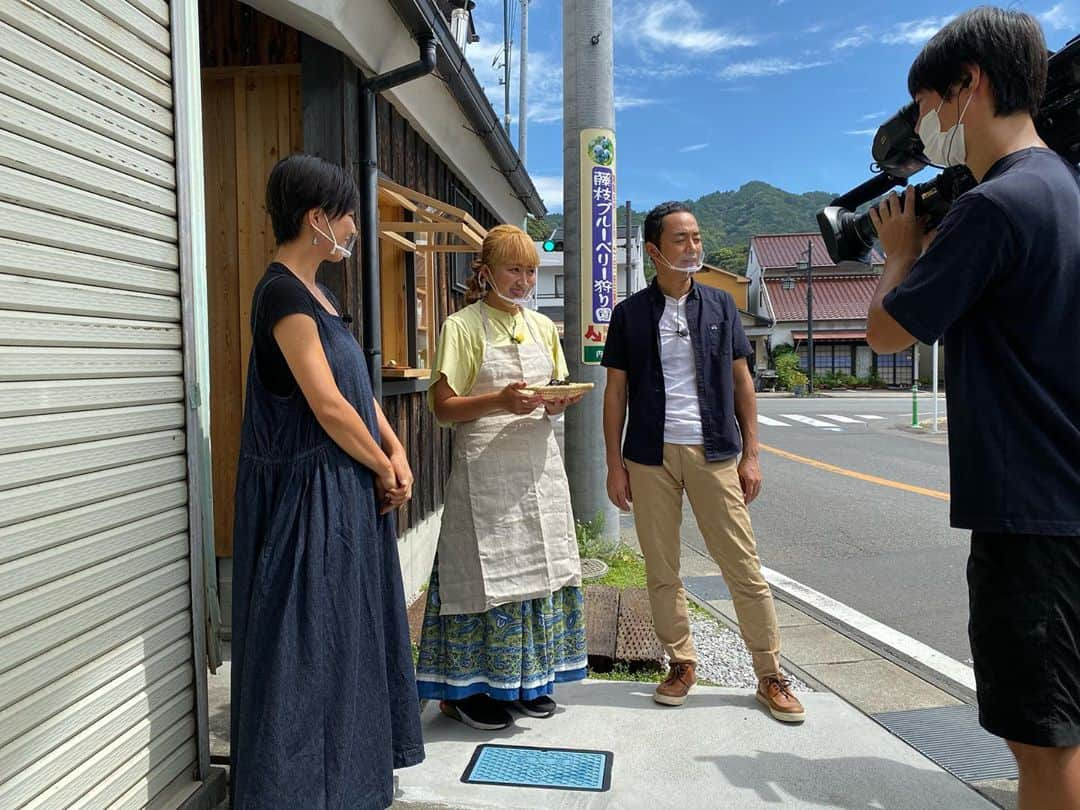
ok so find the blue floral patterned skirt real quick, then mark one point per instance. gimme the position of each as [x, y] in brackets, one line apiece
[517, 651]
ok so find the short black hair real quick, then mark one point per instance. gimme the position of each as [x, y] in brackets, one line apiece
[301, 182]
[1007, 45]
[654, 220]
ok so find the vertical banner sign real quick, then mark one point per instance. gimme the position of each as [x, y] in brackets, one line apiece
[599, 264]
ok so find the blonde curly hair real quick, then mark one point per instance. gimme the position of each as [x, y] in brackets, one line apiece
[504, 246]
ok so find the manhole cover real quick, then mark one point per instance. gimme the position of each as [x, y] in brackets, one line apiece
[952, 737]
[558, 768]
[593, 569]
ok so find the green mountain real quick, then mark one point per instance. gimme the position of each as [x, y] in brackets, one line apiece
[729, 218]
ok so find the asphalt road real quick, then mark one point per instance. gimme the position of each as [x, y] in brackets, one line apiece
[884, 551]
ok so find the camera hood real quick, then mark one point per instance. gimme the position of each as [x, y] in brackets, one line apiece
[898, 149]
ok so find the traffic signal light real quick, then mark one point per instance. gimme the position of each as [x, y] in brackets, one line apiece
[553, 245]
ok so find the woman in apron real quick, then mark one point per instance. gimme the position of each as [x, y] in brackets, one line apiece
[505, 617]
[324, 702]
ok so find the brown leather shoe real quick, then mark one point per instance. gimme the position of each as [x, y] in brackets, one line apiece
[774, 692]
[673, 691]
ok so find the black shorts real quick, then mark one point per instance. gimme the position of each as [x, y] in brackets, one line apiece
[1025, 636]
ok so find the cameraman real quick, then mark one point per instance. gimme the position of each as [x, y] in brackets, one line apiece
[1001, 281]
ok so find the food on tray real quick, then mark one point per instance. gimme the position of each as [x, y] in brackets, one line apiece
[559, 389]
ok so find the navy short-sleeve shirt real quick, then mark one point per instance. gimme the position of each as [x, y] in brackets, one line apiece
[279, 293]
[717, 339]
[1001, 283]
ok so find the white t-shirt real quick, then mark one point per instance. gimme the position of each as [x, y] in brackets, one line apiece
[682, 417]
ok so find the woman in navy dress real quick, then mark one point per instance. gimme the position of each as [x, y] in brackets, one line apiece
[324, 702]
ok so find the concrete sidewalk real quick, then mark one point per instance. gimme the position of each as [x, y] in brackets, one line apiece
[721, 749]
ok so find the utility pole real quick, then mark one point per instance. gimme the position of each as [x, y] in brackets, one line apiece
[935, 373]
[590, 257]
[523, 82]
[915, 385]
[506, 63]
[808, 265]
[810, 310]
[629, 251]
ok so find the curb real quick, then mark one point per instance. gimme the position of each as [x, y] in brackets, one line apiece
[936, 668]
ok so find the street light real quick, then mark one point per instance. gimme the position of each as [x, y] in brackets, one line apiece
[807, 264]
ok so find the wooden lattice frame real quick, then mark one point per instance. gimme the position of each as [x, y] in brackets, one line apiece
[449, 229]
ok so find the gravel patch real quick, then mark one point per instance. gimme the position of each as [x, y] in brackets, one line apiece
[723, 659]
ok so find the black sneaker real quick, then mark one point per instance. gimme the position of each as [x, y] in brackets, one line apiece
[542, 706]
[478, 711]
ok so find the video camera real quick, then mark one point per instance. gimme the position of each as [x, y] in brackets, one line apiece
[898, 154]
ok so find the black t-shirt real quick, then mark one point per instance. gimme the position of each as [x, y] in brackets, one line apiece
[279, 293]
[1001, 282]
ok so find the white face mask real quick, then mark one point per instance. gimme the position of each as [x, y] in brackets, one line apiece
[684, 264]
[946, 148]
[527, 301]
[342, 251]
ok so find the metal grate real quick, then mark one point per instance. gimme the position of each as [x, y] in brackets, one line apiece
[556, 768]
[952, 737]
[708, 589]
[636, 641]
[593, 569]
[601, 625]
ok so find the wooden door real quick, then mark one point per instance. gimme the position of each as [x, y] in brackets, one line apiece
[251, 118]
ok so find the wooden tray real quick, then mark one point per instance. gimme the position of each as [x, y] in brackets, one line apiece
[553, 392]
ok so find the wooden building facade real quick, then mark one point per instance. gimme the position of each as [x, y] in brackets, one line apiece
[270, 90]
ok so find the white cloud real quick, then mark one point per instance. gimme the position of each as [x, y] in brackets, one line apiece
[680, 25]
[856, 39]
[629, 102]
[1060, 17]
[550, 188]
[914, 32]
[697, 147]
[862, 132]
[911, 32]
[545, 76]
[874, 116]
[756, 68]
[658, 71]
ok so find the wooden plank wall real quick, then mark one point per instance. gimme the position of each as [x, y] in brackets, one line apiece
[406, 158]
[236, 36]
[251, 118]
[232, 34]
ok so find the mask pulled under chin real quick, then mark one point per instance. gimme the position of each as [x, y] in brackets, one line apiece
[527, 301]
[689, 269]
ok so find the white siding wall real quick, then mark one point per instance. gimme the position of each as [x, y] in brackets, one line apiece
[96, 675]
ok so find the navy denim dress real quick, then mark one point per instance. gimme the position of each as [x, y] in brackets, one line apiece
[324, 701]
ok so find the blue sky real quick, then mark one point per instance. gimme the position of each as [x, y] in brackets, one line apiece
[710, 94]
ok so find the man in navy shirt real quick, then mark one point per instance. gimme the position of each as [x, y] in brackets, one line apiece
[1001, 281]
[676, 356]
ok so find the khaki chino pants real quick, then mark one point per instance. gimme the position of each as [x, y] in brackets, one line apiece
[724, 521]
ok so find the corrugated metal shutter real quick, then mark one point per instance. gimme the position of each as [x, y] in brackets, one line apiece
[97, 696]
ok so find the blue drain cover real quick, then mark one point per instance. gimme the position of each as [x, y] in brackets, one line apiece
[556, 768]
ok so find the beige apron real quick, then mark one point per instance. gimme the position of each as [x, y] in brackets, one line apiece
[508, 528]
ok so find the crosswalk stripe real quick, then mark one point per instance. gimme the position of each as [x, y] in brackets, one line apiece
[868, 416]
[843, 420]
[765, 420]
[806, 420]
